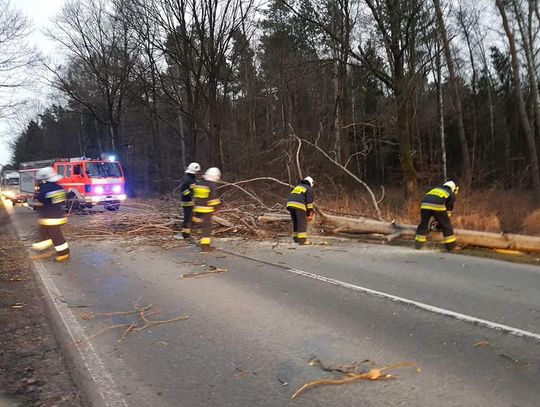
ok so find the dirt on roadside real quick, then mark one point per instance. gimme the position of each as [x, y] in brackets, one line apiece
[33, 371]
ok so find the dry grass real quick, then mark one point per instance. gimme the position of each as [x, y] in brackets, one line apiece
[490, 210]
[532, 223]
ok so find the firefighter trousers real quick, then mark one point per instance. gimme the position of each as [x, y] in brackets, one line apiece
[206, 228]
[444, 223]
[299, 221]
[51, 235]
[188, 219]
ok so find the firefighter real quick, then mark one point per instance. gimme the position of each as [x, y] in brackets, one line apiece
[206, 201]
[438, 203]
[50, 203]
[186, 188]
[300, 206]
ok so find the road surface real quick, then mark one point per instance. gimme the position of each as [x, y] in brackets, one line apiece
[471, 325]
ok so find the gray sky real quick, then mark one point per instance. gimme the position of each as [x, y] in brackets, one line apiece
[39, 13]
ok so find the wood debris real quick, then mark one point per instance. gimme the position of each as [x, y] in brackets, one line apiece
[351, 373]
[213, 270]
[141, 324]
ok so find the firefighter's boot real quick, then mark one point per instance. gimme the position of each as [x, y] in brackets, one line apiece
[418, 245]
[450, 247]
[186, 234]
[304, 242]
[206, 248]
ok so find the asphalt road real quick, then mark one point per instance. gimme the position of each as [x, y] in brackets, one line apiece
[252, 330]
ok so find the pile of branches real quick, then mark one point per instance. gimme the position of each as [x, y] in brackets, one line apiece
[160, 220]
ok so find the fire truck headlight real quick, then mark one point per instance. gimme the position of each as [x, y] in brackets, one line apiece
[117, 189]
[112, 158]
[99, 190]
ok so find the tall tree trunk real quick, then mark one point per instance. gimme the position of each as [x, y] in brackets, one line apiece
[455, 93]
[403, 131]
[529, 58]
[440, 114]
[521, 101]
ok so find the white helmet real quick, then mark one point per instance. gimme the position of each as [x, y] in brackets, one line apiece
[47, 174]
[193, 168]
[451, 185]
[309, 179]
[212, 174]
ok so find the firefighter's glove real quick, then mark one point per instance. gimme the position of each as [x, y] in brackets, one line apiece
[195, 219]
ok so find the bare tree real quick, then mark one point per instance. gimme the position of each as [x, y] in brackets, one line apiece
[533, 154]
[101, 55]
[196, 41]
[456, 98]
[16, 56]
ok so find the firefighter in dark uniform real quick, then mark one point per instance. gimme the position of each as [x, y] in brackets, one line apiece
[206, 200]
[50, 204]
[300, 206]
[186, 188]
[438, 204]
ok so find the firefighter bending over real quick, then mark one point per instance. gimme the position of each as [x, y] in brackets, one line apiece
[50, 204]
[186, 188]
[438, 204]
[300, 206]
[206, 201]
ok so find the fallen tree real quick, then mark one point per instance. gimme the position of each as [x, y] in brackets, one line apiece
[392, 230]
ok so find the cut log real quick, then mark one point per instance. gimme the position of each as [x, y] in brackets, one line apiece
[274, 218]
[466, 237]
[361, 225]
[222, 222]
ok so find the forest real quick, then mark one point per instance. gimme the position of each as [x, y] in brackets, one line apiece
[400, 93]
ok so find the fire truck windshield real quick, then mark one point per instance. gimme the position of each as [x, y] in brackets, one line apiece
[12, 181]
[103, 169]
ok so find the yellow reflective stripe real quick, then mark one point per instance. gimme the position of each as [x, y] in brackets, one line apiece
[302, 235]
[196, 219]
[214, 202]
[45, 244]
[62, 258]
[186, 230]
[441, 193]
[298, 190]
[52, 221]
[295, 234]
[433, 207]
[296, 205]
[63, 246]
[420, 238]
[191, 203]
[309, 206]
[206, 240]
[201, 191]
[449, 239]
[55, 193]
[186, 192]
[203, 209]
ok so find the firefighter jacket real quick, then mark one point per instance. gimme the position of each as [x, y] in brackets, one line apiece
[53, 199]
[301, 197]
[187, 184]
[439, 199]
[205, 197]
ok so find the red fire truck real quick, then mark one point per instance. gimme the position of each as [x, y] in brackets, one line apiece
[88, 182]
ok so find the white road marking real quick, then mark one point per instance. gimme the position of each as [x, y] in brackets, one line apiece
[105, 383]
[426, 307]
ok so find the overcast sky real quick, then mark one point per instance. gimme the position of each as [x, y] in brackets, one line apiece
[39, 13]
